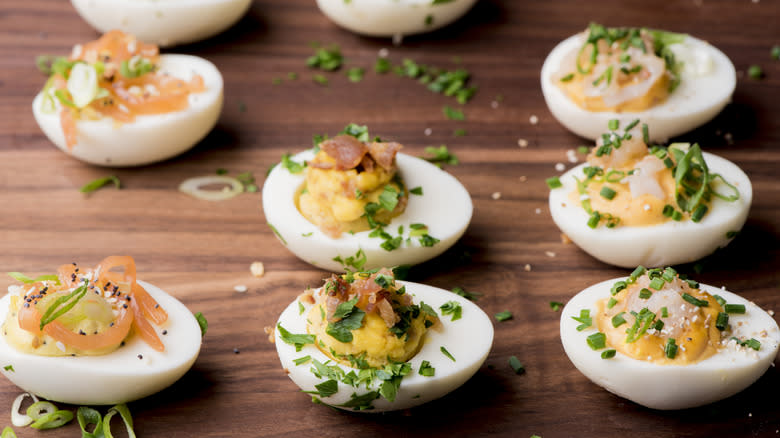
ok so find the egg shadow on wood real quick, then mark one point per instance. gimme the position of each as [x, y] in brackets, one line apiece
[736, 123]
[195, 384]
[246, 31]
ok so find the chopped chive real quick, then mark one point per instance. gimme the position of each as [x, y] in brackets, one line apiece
[697, 214]
[637, 272]
[613, 124]
[503, 316]
[611, 303]
[584, 318]
[668, 210]
[664, 312]
[657, 283]
[645, 293]
[447, 353]
[719, 299]
[553, 182]
[659, 325]
[775, 53]
[608, 354]
[594, 219]
[607, 193]
[695, 301]
[734, 308]
[302, 360]
[618, 320]
[671, 348]
[568, 77]
[416, 191]
[631, 125]
[676, 216]
[645, 133]
[752, 343]
[516, 365]
[722, 322]
[617, 287]
[582, 150]
[597, 341]
[668, 275]
[555, 305]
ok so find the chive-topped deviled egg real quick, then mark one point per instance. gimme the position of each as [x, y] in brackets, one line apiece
[631, 204]
[364, 341]
[674, 82]
[95, 336]
[667, 342]
[117, 102]
[357, 203]
[393, 17]
[163, 22]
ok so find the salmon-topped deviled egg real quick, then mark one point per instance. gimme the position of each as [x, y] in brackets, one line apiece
[117, 101]
[673, 82]
[366, 342]
[667, 342]
[95, 336]
[163, 22]
[631, 204]
[357, 203]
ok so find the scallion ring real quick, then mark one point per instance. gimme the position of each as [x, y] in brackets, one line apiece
[19, 419]
[229, 187]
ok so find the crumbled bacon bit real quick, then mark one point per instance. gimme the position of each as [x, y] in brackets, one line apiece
[346, 150]
[384, 153]
[565, 239]
[269, 330]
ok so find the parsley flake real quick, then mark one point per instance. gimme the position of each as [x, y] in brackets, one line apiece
[452, 308]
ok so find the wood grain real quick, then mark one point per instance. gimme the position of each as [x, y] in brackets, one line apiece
[199, 252]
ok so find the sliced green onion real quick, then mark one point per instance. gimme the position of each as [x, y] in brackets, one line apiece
[302, 360]
[722, 322]
[8, 432]
[637, 272]
[659, 325]
[664, 312]
[63, 304]
[516, 365]
[87, 416]
[204, 325]
[613, 124]
[608, 354]
[611, 303]
[607, 193]
[19, 419]
[124, 412]
[18, 276]
[447, 353]
[645, 133]
[594, 219]
[584, 319]
[677, 216]
[618, 320]
[597, 341]
[734, 308]
[671, 348]
[568, 77]
[695, 301]
[752, 343]
[52, 420]
[699, 213]
[645, 293]
[719, 299]
[555, 305]
[82, 84]
[100, 182]
[657, 283]
[553, 182]
[503, 316]
[668, 210]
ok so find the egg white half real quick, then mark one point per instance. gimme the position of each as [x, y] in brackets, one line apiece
[669, 243]
[468, 339]
[445, 207]
[150, 138]
[393, 17]
[722, 375]
[117, 377]
[163, 22]
[697, 100]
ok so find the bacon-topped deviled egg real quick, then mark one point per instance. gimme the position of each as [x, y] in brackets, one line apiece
[95, 336]
[163, 22]
[356, 203]
[673, 82]
[631, 204]
[667, 342]
[366, 342]
[393, 17]
[117, 102]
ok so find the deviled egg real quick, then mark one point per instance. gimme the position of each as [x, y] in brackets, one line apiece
[631, 205]
[163, 22]
[674, 82]
[352, 203]
[95, 336]
[364, 341]
[393, 17]
[667, 342]
[117, 102]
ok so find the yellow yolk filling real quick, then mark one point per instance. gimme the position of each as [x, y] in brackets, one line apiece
[373, 339]
[644, 210]
[335, 200]
[92, 314]
[575, 90]
[698, 341]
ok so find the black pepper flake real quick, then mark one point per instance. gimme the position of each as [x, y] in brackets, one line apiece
[112, 324]
[81, 332]
[116, 288]
[26, 304]
[122, 344]
[156, 306]
[128, 298]
[235, 350]
[140, 356]
[165, 332]
[124, 306]
[76, 270]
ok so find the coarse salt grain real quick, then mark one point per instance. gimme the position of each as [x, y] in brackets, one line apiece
[494, 104]
[496, 195]
[538, 211]
[523, 143]
[257, 269]
[428, 131]
[533, 120]
[549, 254]
[527, 268]
[571, 154]
[523, 178]
[383, 53]
[240, 288]
[560, 167]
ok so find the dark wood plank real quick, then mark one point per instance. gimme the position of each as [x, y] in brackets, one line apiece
[199, 252]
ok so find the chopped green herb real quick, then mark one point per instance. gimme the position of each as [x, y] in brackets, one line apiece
[327, 388]
[131, 69]
[657, 283]
[719, 299]
[642, 322]
[452, 308]
[471, 296]
[671, 348]
[607, 193]
[516, 365]
[100, 182]
[290, 165]
[320, 79]
[613, 124]
[356, 261]
[556, 305]
[296, 340]
[611, 303]
[361, 402]
[618, 320]
[582, 150]
[695, 301]
[9, 368]
[447, 353]
[426, 369]
[355, 74]
[722, 322]
[18, 276]
[382, 65]
[568, 77]
[503, 316]
[597, 341]
[645, 293]
[326, 58]
[441, 155]
[553, 182]
[608, 354]
[351, 318]
[755, 72]
[416, 191]
[453, 114]
[664, 312]
[775, 52]
[273, 228]
[734, 308]
[301, 308]
[584, 319]
[459, 133]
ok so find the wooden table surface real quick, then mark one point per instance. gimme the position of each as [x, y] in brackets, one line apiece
[198, 251]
